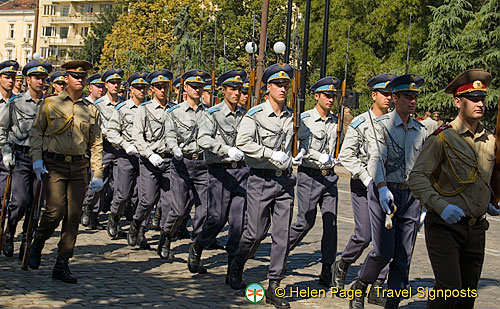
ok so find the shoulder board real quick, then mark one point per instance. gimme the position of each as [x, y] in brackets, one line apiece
[383, 117]
[288, 108]
[118, 106]
[441, 129]
[144, 103]
[213, 109]
[418, 123]
[97, 101]
[358, 121]
[14, 96]
[304, 115]
[172, 108]
[254, 110]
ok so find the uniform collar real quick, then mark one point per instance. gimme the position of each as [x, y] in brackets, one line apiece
[269, 111]
[317, 117]
[156, 104]
[187, 107]
[399, 122]
[226, 110]
[130, 104]
[27, 96]
[461, 128]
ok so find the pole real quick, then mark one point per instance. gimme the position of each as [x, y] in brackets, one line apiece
[225, 60]
[305, 50]
[288, 31]
[324, 47]
[262, 47]
[408, 48]
[35, 31]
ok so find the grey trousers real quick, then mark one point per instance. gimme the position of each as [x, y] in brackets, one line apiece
[313, 189]
[226, 203]
[269, 198]
[395, 243]
[124, 181]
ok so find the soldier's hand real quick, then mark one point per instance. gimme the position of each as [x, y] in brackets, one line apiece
[279, 156]
[492, 210]
[178, 153]
[298, 159]
[452, 214]
[325, 159]
[385, 197]
[131, 150]
[39, 169]
[235, 154]
[96, 184]
[9, 161]
[156, 160]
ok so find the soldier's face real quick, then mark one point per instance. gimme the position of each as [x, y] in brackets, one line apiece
[75, 82]
[18, 83]
[278, 91]
[59, 87]
[471, 108]
[113, 86]
[382, 99]
[139, 92]
[231, 94]
[7, 81]
[205, 96]
[36, 82]
[160, 91]
[325, 101]
[193, 91]
[405, 103]
[243, 98]
[96, 91]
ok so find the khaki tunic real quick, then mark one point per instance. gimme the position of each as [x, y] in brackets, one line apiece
[455, 151]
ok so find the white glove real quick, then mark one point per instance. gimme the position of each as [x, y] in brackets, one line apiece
[367, 181]
[178, 153]
[235, 154]
[39, 169]
[336, 161]
[385, 195]
[131, 150]
[492, 210]
[279, 156]
[156, 160]
[96, 184]
[325, 159]
[298, 159]
[9, 161]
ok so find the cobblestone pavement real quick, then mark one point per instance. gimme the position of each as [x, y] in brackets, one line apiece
[112, 274]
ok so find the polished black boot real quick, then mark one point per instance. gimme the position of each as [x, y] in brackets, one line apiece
[142, 240]
[358, 302]
[392, 303]
[272, 298]
[113, 222]
[194, 258]
[236, 273]
[8, 241]
[164, 245]
[61, 271]
[339, 273]
[375, 295]
[94, 222]
[36, 253]
[183, 232]
[23, 247]
[85, 215]
[325, 278]
[133, 233]
[155, 222]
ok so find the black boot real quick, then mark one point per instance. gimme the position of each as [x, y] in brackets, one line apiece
[86, 215]
[155, 222]
[133, 233]
[236, 273]
[8, 241]
[94, 222]
[392, 303]
[142, 240]
[325, 278]
[183, 232]
[36, 253]
[164, 245]
[375, 295]
[339, 273]
[61, 271]
[215, 245]
[358, 302]
[23, 247]
[194, 258]
[272, 298]
[113, 223]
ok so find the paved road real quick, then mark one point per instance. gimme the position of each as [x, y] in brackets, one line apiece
[112, 274]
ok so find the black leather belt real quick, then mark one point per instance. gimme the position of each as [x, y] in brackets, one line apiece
[166, 155]
[194, 156]
[227, 166]
[316, 172]
[23, 149]
[471, 220]
[63, 158]
[397, 185]
[272, 173]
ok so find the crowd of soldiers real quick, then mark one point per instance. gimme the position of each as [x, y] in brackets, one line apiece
[104, 152]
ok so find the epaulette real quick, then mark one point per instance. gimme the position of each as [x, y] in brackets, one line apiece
[51, 95]
[97, 101]
[289, 109]
[254, 110]
[418, 123]
[118, 106]
[213, 109]
[441, 129]
[14, 96]
[144, 103]
[383, 117]
[358, 121]
[304, 115]
[172, 108]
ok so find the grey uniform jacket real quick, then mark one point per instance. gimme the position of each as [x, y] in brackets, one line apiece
[121, 124]
[106, 109]
[183, 127]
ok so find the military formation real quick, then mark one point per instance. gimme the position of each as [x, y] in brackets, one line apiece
[152, 151]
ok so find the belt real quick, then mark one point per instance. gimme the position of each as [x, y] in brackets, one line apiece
[23, 149]
[227, 166]
[397, 185]
[194, 156]
[166, 155]
[63, 158]
[316, 172]
[471, 220]
[272, 173]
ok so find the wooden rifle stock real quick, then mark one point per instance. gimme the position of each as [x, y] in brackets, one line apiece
[32, 224]
[495, 181]
[251, 89]
[340, 120]
[181, 89]
[5, 203]
[213, 97]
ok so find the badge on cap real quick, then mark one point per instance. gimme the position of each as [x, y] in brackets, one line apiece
[413, 86]
[477, 84]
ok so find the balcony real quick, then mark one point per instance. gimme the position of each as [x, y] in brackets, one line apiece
[64, 42]
[75, 19]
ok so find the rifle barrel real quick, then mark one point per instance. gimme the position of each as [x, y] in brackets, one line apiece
[32, 223]
[5, 203]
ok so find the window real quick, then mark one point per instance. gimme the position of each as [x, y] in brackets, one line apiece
[29, 31]
[49, 10]
[84, 32]
[12, 31]
[10, 54]
[88, 9]
[48, 51]
[63, 32]
[27, 56]
[48, 31]
[106, 7]
[65, 10]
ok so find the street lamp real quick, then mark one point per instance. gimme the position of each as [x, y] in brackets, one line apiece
[279, 48]
[251, 49]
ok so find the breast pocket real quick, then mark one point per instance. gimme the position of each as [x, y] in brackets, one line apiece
[25, 124]
[269, 139]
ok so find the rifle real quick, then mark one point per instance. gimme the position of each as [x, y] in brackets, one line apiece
[212, 86]
[32, 224]
[251, 86]
[5, 203]
[408, 48]
[495, 181]
[340, 120]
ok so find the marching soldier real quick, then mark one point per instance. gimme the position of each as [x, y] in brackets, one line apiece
[265, 137]
[394, 211]
[148, 135]
[316, 178]
[354, 157]
[206, 96]
[188, 175]
[15, 127]
[119, 134]
[227, 171]
[57, 80]
[18, 83]
[451, 179]
[244, 94]
[96, 88]
[66, 127]
[176, 84]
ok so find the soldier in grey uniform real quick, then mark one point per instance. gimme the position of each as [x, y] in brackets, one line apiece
[354, 157]
[394, 211]
[96, 88]
[148, 135]
[316, 178]
[227, 171]
[15, 125]
[266, 137]
[119, 134]
[188, 176]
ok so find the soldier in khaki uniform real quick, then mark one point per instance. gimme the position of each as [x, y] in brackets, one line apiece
[451, 178]
[65, 129]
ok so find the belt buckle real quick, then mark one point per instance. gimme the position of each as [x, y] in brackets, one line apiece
[472, 221]
[324, 172]
[278, 173]
[234, 164]
[68, 159]
[195, 156]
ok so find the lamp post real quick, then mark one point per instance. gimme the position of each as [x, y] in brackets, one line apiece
[251, 49]
[279, 48]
